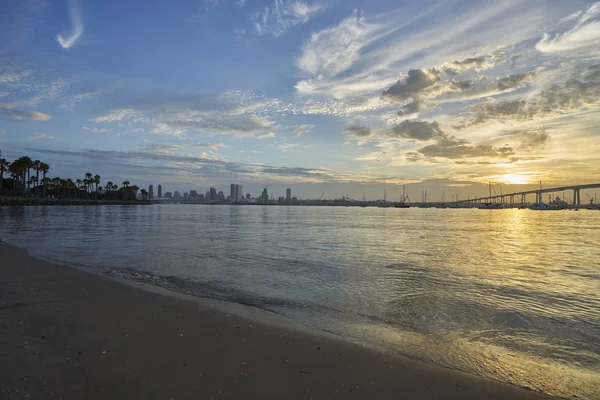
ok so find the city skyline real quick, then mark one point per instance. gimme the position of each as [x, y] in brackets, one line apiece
[342, 98]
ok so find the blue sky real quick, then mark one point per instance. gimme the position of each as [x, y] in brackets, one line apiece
[343, 97]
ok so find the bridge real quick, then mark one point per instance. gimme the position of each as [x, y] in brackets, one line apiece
[502, 198]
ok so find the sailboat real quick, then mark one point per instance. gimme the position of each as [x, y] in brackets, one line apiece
[364, 202]
[385, 203]
[403, 203]
[541, 206]
[443, 203]
[490, 205]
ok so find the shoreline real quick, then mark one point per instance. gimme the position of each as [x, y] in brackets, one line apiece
[9, 201]
[66, 332]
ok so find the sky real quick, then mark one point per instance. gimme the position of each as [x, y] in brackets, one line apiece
[341, 97]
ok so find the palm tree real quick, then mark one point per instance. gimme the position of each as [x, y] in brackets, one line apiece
[46, 182]
[44, 168]
[125, 184]
[97, 181]
[36, 166]
[89, 179]
[144, 193]
[17, 171]
[4, 165]
[134, 190]
[27, 164]
[108, 187]
[70, 186]
[55, 186]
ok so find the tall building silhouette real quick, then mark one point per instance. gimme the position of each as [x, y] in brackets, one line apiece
[288, 195]
[213, 194]
[159, 191]
[265, 196]
[236, 193]
[151, 192]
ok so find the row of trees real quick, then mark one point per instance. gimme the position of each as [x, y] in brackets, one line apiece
[28, 177]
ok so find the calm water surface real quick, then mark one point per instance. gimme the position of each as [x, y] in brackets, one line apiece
[512, 295]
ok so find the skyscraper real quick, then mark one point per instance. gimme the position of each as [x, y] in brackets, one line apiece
[239, 195]
[288, 195]
[213, 194]
[236, 194]
[151, 192]
[193, 194]
[159, 191]
[264, 198]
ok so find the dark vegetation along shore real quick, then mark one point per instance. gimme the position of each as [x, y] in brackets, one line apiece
[27, 183]
[49, 201]
[66, 333]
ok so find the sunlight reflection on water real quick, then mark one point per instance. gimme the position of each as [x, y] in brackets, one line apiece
[512, 295]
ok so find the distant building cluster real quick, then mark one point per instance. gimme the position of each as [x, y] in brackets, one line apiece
[236, 196]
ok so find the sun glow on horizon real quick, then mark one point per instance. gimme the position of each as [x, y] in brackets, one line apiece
[515, 179]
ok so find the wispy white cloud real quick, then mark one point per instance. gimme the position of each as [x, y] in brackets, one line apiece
[161, 128]
[302, 129]
[239, 33]
[333, 50]
[2, 131]
[583, 35]
[75, 15]
[161, 147]
[93, 129]
[269, 135]
[75, 100]
[19, 114]
[37, 136]
[283, 15]
[116, 115]
[240, 3]
[386, 45]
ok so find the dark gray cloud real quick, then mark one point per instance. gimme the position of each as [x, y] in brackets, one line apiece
[416, 130]
[421, 84]
[185, 163]
[414, 84]
[513, 60]
[513, 81]
[453, 148]
[411, 108]
[358, 132]
[445, 146]
[531, 139]
[592, 73]
[580, 92]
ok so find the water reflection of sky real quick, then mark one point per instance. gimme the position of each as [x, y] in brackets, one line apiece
[499, 293]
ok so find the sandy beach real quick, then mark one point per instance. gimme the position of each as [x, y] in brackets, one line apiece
[67, 333]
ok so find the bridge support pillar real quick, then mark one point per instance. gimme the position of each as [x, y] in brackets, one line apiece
[523, 199]
[576, 197]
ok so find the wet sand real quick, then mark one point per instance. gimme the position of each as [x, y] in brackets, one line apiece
[67, 333]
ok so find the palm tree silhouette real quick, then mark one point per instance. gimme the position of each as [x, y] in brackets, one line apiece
[3, 168]
[44, 168]
[97, 181]
[109, 187]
